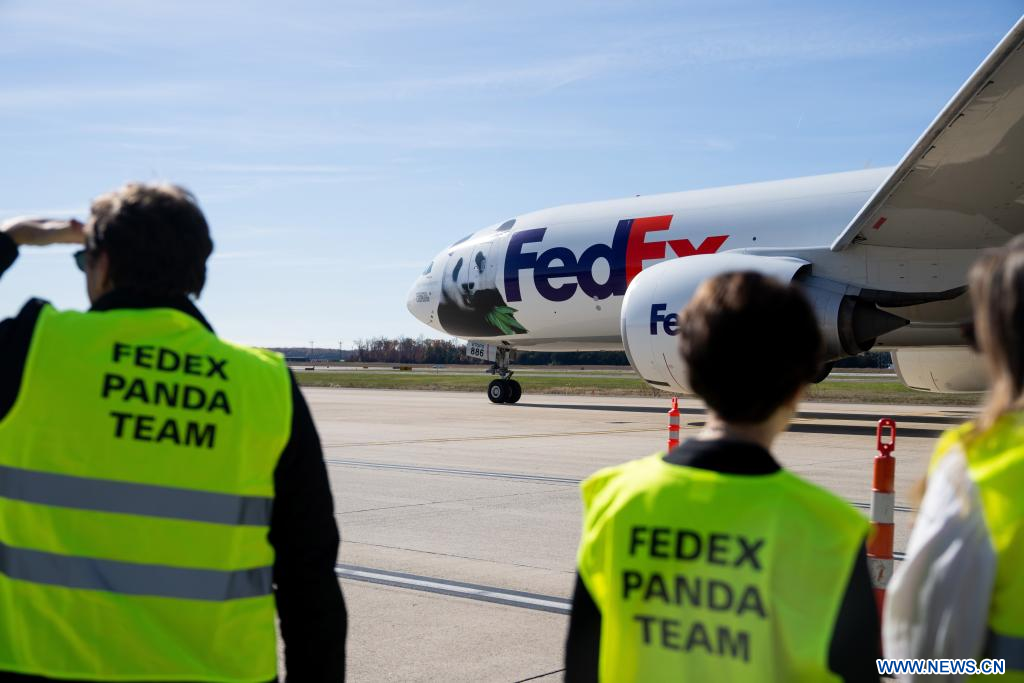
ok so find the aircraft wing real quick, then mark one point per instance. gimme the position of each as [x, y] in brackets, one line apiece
[961, 186]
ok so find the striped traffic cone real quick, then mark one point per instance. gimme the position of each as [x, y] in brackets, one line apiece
[883, 498]
[673, 424]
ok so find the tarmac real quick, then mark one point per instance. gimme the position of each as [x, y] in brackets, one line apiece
[460, 518]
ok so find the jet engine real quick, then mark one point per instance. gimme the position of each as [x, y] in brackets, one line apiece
[849, 323]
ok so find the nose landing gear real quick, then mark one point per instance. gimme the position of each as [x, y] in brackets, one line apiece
[505, 389]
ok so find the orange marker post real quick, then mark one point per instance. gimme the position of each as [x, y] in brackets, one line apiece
[673, 424]
[883, 499]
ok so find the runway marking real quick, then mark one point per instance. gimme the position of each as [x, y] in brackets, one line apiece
[798, 425]
[459, 589]
[535, 478]
[471, 591]
[444, 501]
[491, 437]
[954, 415]
[565, 481]
[503, 563]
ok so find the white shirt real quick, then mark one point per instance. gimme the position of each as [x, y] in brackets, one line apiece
[938, 601]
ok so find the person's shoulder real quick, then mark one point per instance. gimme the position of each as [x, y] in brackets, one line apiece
[33, 307]
[256, 354]
[811, 493]
[29, 315]
[952, 441]
[630, 468]
[992, 453]
[18, 331]
[610, 481]
[821, 504]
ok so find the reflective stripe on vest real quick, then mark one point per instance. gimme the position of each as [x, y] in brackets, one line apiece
[133, 579]
[995, 463]
[136, 492]
[104, 495]
[705, 576]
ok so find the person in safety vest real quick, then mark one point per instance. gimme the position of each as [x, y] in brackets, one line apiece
[161, 489]
[959, 594]
[712, 562]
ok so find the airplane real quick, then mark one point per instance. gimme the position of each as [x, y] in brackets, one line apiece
[882, 254]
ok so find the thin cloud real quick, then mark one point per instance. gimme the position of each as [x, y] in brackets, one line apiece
[44, 212]
[452, 134]
[276, 259]
[709, 143]
[823, 46]
[241, 255]
[145, 131]
[68, 96]
[393, 265]
[122, 27]
[785, 41]
[282, 169]
[535, 79]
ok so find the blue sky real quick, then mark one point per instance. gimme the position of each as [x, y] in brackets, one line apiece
[337, 146]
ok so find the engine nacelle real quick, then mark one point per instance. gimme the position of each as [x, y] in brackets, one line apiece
[650, 310]
[941, 369]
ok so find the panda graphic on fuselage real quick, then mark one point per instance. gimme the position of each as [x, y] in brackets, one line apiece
[471, 305]
[465, 279]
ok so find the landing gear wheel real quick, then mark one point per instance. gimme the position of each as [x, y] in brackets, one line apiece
[504, 389]
[498, 391]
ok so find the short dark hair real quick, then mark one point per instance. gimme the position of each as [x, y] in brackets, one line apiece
[749, 343]
[155, 236]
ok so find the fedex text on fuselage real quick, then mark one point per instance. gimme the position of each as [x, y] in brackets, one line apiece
[625, 257]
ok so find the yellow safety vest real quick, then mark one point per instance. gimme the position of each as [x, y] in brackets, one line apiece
[136, 483]
[702, 576]
[995, 462]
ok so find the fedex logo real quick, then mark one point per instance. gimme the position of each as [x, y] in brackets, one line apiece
[666, 321]
[625, 257]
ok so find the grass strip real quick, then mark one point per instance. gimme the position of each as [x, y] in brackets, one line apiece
[839, 392]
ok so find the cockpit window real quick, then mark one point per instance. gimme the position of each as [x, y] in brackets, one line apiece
[463, 239]
[456, 269]
[507, 225]
[430, 267]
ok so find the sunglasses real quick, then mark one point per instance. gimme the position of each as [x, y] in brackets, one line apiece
[81, 258]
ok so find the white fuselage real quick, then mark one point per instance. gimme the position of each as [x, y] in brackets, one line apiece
[554, 279]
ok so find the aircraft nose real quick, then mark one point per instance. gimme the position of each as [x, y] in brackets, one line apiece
[410, 300]
[421, 301]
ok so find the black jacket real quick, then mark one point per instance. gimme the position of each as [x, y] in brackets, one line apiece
[302, 529]
[856, 635]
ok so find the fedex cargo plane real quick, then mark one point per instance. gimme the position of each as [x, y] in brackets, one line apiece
[882, 254]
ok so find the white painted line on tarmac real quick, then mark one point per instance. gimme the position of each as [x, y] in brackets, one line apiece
[472, 591]
[456, 472]
[541, 479]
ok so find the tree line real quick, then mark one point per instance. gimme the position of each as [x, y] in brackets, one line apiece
[409, 350]
[450, 351]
